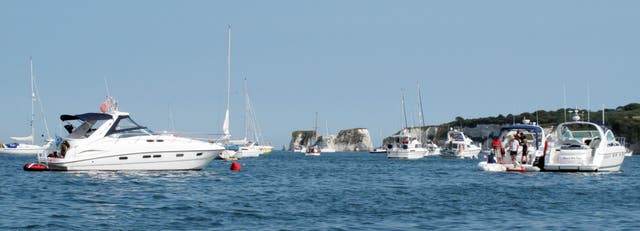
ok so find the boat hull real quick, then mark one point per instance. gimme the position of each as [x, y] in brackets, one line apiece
[495, 167]
[245, 152]
[469, 153]
[167, 160]
[406, 154]
[581, 160]
[23, 149]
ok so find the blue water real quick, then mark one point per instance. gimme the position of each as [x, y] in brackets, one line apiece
[341, 191]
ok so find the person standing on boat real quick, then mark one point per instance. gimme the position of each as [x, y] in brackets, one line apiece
[523, 141]
[496, 148]
[513, 148]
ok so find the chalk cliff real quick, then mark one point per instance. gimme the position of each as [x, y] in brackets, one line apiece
[349, 140]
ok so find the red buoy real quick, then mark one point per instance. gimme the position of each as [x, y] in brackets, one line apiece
[35, 167]
[235, 166]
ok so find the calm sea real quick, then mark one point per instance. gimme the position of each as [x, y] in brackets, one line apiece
[336, 191]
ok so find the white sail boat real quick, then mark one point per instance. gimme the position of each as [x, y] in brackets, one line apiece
[28, 146]
[314, 149]
[251, 145]
[432, 148]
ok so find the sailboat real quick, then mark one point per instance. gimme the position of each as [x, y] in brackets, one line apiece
[251, 147]
[314, 149]
[230, 150]
[432, 148]
[28, 146]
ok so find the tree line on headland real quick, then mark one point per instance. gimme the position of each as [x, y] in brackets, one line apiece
[623, 120]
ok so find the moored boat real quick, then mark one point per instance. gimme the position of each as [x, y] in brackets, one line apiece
[405, 147]
[581, 146]
[458, 145]
[113, 141]
[533, 135]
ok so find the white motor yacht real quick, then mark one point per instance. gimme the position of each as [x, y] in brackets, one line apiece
[405, 147]
[113, 141]
[581, 146]
[458, 145]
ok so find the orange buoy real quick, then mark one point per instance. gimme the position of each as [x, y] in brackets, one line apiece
[35, 167]
[235, 166]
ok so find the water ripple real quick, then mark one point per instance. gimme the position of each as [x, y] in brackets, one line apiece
[341, 191]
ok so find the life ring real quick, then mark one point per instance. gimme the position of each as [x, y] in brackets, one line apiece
[35, 167]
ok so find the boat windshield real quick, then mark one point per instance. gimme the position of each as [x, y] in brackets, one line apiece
[85, 129]
[578, 134]
[126, 127]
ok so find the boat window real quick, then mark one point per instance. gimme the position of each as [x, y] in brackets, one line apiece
[610, 136]
[126, 127]
[85, 129]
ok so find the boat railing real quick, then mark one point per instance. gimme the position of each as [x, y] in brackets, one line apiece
[622, 141]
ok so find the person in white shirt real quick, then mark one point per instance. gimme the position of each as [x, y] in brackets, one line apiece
[513, 148]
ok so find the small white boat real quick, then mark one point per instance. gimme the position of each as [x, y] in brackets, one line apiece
[314, 149]
[432, 149]
[22, 149]
[460, 146]
[629, 153]
[378, 150]
[113, 141]
[299, 148]
[249, 149]
[405, 147]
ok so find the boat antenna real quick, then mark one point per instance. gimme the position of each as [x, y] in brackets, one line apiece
[588, 102]
[171, 121]
[564, 97]
[421, 113]
[404, 111]
[603, 115]
[33, 100]
[106, 84]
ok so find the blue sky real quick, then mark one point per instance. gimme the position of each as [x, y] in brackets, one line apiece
[346, 60]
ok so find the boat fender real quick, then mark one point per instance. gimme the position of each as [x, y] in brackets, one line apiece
[546, 145]
[35, 167]
[235, 166]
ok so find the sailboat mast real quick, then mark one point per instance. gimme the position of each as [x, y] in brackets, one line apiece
[225, 125]
[33, 99]
[247, 110]
[421, 115]
[228, 63]
[404, 112]
[315, 127]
